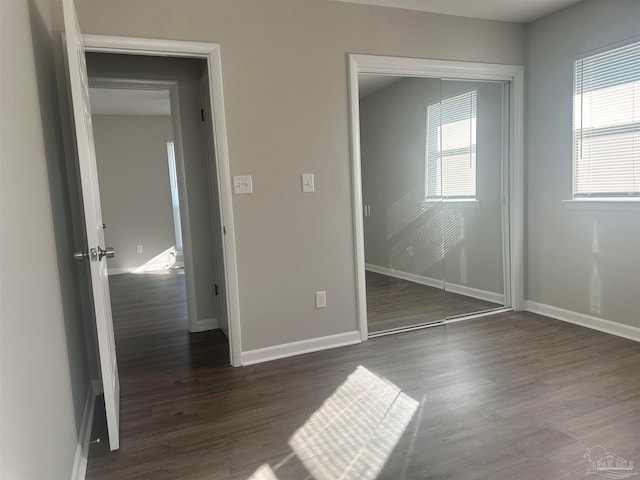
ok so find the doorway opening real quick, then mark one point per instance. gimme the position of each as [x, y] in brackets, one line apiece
[153, 167]
[134, 130]
[159, 196]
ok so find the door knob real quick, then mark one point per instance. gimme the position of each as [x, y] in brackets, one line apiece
[108, 252]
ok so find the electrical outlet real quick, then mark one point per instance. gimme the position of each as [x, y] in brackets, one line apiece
[139, 248]
[242, 184]
[410, 250]
[321, 299]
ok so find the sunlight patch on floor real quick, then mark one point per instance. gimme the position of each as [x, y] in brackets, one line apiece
[352, 435]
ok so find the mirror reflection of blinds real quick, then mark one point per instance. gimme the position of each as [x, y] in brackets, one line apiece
[451, 147]
[607, 123]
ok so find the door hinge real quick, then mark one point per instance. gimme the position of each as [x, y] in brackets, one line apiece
[202, 114]
[224, 230]
[215, 287]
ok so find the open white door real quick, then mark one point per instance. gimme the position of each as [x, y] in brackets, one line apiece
[93, 220]
[215, 202]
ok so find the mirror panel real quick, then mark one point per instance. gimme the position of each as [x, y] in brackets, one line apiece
[402, 228]
[472, 146]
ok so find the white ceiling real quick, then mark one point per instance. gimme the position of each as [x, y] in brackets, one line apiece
[520, 11]
[119, 101]
[369, 84]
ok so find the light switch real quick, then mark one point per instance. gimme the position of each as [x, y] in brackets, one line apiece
[321, 299]
[242, 184]
[308, 185]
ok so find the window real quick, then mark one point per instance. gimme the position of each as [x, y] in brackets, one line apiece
[606, 124]
[450, 163]
[175, 201]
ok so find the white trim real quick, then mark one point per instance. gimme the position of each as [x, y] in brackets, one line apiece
[588, 321]
[514, 287]
[210, 52]
[204, 324]
[354, 107]
[183, 199]
[417, 67]
[154, 267]
[622, 204]
[454, 202]
[79, 471]
[411, 277]
[131, 83]
[119, 270]
[425, 67]
[298, 348]
[485, 295]
[147, 46]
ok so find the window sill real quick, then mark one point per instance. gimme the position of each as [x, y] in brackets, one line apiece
[611, 203]
[464, 202]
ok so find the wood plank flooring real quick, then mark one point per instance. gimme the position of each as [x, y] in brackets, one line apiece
[513, 396]
[148, 304]
[395, 303]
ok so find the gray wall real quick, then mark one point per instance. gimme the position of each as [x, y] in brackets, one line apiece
[393, 137]
[284, 66]
[44, 377]
[135, 195]
[187, 72]
[584, 260]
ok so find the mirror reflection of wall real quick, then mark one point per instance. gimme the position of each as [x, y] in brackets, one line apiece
[431, 159]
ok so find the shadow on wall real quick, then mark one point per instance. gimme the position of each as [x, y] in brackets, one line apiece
[47, 52]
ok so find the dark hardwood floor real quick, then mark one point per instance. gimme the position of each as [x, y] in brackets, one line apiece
[396, 303]
[513, 396]
[148, 304]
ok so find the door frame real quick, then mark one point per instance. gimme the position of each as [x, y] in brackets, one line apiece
[211, 53]
[217, 233]
[514, 181]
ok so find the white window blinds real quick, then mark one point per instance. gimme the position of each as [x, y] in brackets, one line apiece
[450, 170]
[606, 122]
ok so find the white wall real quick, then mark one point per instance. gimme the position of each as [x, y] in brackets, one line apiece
[44, 376]
[460, 243]
[284, 65]
[585, 260]
[135, 195]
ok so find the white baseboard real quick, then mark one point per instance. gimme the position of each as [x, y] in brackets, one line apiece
[119, 271]
[411, 277]
[146, 268]
[595, 323]
[298, 348]
[203, 325]
[435, 283]
[467, 291]
[79, 471]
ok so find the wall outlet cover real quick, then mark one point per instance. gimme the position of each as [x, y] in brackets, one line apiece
[242, 184]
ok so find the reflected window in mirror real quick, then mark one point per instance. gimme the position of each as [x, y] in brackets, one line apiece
[450, 158]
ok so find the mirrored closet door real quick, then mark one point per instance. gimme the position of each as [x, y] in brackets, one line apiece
[473, 136]
[432, 166]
